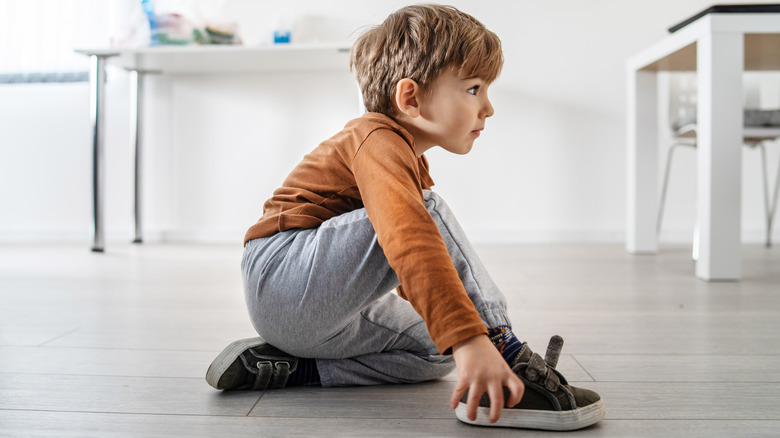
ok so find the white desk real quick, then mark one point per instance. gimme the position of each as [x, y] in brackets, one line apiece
[184, 59]
[720, 47]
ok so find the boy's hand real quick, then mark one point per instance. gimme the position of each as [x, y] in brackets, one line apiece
[481, 369]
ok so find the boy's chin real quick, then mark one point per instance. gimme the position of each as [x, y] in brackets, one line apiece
[464, 150]
[458, 150]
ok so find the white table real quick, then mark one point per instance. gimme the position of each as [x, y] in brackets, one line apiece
[719, 47]
[184, 59]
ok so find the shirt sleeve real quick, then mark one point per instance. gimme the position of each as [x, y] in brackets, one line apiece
[388, 177]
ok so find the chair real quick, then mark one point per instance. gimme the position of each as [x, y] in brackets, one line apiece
[761, 126]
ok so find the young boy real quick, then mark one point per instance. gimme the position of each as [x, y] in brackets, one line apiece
[356, 219]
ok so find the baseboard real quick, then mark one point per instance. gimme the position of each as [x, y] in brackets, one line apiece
[749, 236]
[492, 236]
[484, 236]
[116, 236]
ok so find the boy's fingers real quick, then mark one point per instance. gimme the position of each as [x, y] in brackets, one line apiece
[457, 394]
[516, 390]
[496, 394]
[475, 392]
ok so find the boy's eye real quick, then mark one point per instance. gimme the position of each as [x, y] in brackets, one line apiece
[473, 90]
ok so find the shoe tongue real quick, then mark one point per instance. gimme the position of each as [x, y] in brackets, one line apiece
[524, 356]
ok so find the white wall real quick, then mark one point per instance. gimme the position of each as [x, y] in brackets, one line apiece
[550, 165]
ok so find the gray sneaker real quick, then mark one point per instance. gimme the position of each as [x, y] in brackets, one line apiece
[549, 402]
[251, 364]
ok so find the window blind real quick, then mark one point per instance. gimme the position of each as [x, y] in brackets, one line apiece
[37, 38]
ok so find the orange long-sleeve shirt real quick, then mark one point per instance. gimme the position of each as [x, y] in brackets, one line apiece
[372, 163]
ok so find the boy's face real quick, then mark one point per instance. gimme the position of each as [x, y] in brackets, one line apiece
[453, 113]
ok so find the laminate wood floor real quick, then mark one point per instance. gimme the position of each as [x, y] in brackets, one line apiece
[117, 344]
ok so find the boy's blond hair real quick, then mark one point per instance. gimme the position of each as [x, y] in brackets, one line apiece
[419, 42]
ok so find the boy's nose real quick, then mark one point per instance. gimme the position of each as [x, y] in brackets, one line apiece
[488, 110]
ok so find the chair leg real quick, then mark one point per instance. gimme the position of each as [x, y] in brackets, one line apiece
[667, 171]
[773, 208]
[767, 216]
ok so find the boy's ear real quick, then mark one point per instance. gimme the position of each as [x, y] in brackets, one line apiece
[407, 93]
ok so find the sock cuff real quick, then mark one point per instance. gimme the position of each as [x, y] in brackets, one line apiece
[506, 342]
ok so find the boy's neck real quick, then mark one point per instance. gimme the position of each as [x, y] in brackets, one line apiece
[408, 123]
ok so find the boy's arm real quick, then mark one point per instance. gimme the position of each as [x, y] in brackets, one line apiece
[387, 174]
[388, 178]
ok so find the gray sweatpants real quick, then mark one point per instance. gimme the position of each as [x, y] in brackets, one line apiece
[325, 293]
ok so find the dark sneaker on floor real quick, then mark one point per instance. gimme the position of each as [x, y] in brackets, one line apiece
[549, 402]
[251, 364]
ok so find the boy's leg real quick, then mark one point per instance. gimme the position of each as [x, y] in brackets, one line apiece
[487, 298]
[483, 292]
[323, 293]
[401, 350]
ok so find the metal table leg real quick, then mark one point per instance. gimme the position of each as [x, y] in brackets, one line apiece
[136, 111]
[97, 79]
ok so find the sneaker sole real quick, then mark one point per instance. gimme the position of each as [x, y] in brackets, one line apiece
[227, 357]
[543, 420]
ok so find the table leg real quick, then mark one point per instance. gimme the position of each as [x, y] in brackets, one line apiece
[136, 113]
[642, 157]
[97, 79]
[720, 63]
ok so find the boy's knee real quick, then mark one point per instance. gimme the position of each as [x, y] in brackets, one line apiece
[437, 207]
[440, 367]
[433, 200]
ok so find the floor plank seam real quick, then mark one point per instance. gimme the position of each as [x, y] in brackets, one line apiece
[254, 405]
[678, 355]
[117, 376]
[691, 419]
[59, 337]
[362, 418]
[583, 368]
[697, 419]
[366, 418]
[111, 348]
[66, 347]
[160, 414]
[677, 382]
